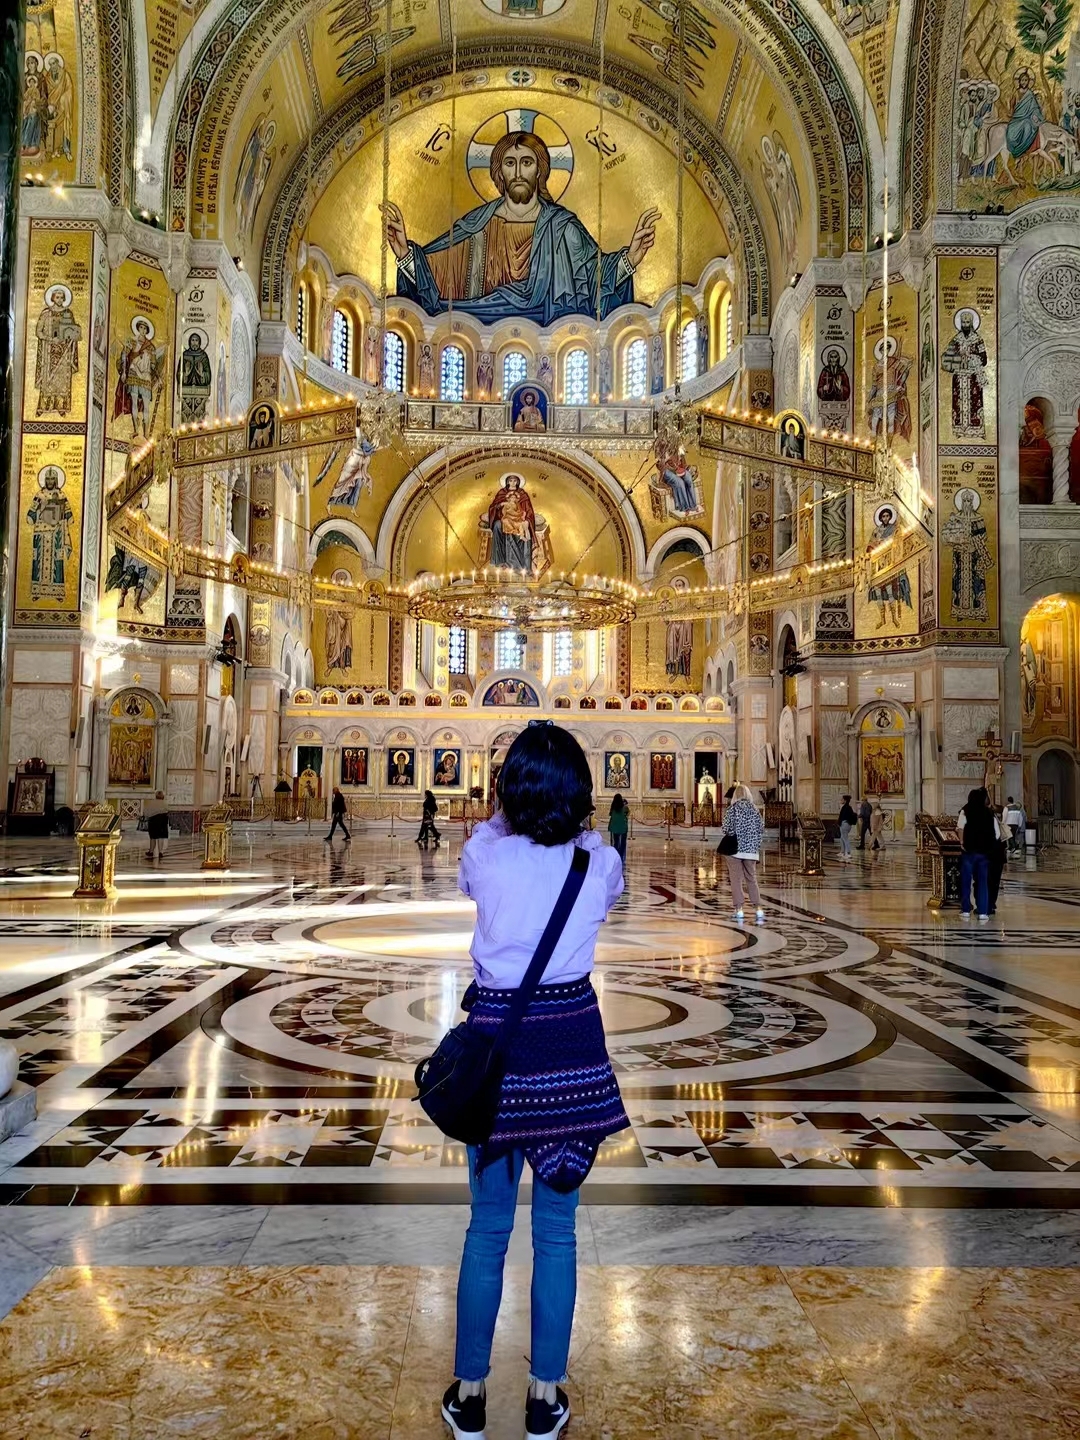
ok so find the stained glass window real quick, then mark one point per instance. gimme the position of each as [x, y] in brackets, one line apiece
[688, 351]
[576, 371]
[339, 342]
[509, 650]
[564, 652]
[635, 369]
[515, 369]
[459, 650]
[452, 374]
[393, 367]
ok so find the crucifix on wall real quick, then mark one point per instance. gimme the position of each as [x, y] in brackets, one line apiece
[993, 753]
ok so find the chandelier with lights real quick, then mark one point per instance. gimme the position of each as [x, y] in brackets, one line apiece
[497, 598]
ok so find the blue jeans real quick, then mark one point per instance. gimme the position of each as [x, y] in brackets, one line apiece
[554, 1281]
[619, 844]
[977, 868]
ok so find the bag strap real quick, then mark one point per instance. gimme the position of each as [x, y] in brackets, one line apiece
[524, 994]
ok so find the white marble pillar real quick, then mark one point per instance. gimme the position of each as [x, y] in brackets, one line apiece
[1060, 438]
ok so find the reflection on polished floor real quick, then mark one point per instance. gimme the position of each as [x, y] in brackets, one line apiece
[856, 1134]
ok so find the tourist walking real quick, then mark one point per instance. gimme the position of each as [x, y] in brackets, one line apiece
[877, 828]
[427, 822]
[980, 833]
[337, 814]
[619, 825]
[847, 820]
[559, 1097]
[744, 827]
[866, 814]
[157, 827]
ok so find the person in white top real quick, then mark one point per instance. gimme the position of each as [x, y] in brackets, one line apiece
[1015, 823]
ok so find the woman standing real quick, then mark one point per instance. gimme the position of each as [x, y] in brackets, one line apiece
[877, 828]
[847, 820]
[559, 1095]
[981, 835]
[619, 825]
[743, 821]
[427, 822]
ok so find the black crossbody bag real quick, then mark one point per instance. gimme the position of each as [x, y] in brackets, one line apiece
[459, 1085]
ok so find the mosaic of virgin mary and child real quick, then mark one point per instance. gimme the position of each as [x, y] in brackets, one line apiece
[512, 535]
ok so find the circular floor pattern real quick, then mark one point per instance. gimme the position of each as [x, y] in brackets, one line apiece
[664, 1026]
[362, 939]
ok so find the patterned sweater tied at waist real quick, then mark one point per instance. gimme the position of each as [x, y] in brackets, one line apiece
[560, 1098]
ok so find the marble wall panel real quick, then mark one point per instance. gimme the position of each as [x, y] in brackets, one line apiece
[896, 687]
[759, 760]
[759, 706]
[256, 761]
[832, 690]
[833, 752]
[182, 734]
[964, 726]
[181, 788]
[43, 667]
[40, 724]
[184, 679]
[963, 682]
[148, 671]
[831, 798]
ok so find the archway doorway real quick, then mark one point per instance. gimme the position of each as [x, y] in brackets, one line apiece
[1050, 706]
[1056, 782]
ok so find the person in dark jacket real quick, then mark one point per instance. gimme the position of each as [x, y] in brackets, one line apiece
[427, 822]
[980, 834]
[866, 815]
[157, 827]
[337, 814]
[847, 820]
[619, 825]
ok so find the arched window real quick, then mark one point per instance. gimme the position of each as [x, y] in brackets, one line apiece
[458, 649]
[515, 369]
[301, 314]
[635, 369]
[576, 377]
[510, 650]
[393, 364]
[688, 351]
[341, 342]
[452, 373]
[563, 652]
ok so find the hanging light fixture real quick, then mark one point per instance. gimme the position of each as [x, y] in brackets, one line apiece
[678, 422]
[498, 598]
[379, 413]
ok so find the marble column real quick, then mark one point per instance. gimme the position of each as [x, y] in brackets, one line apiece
[1060, 438]
[12, 28]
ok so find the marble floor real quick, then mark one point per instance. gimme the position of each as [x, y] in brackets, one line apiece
[855, 1135]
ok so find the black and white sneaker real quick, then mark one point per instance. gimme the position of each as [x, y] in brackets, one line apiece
[467, 1417]
[544, 1419]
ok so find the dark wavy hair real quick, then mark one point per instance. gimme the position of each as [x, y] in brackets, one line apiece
[545, 786]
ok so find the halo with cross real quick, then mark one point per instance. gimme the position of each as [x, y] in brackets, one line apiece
[506, 122]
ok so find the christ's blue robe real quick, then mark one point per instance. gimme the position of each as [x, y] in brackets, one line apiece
[1024, 124]
[561, 279]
